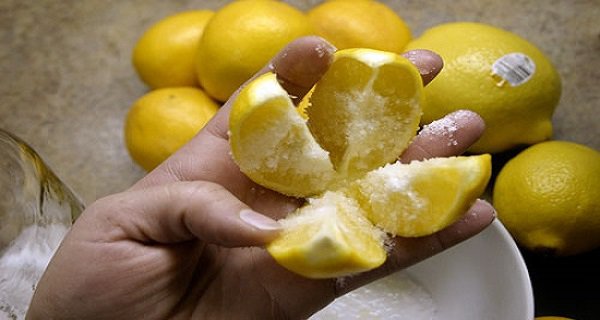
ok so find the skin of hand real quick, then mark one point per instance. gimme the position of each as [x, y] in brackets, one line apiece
[186, 240]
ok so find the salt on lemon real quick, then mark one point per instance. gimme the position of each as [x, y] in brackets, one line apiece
[362, 114]
[358, 120]
[422, 197]
[329, 237]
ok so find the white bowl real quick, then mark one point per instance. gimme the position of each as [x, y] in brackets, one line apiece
[483, 278]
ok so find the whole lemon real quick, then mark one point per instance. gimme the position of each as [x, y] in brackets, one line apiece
[360, 24]
[163, 120]
[548, 197]
[241, 38]
[165, 54]
[496, 73]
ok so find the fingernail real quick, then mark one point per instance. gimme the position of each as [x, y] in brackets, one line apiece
[258, 220]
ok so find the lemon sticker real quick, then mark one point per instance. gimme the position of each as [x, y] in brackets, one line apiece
[515, 68]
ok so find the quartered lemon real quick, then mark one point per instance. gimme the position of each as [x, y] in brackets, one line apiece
[362, 114]
[422, 197]
[272, 144]
[342, 232]
[336, 149]
[329, 237]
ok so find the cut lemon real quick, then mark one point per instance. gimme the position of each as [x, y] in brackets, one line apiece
[422, 197]
[329, 237]
[272, 144]
[366, 109]
[337, 148]
[342, 232]
[362, 114]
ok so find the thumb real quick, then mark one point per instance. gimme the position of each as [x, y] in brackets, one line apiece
[178, 212]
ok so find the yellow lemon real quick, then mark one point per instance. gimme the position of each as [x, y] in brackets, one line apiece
[499, 75]
[271, 142]
[241, 38]
[329, 238]
[342, 232]
[163, 120]
[165, 54]
[362, 114]
[423, 197]
[359, 119]
[360, 24]
[548, 197]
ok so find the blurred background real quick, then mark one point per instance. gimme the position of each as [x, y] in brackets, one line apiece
[67, 82]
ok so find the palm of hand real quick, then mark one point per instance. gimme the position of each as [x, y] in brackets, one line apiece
[173, 246]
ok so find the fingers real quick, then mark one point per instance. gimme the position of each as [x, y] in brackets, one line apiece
[428, 62]
[304, 61]
[450, 136]
[207, 155]
[298, 67]
[408, 251]
[180, 212]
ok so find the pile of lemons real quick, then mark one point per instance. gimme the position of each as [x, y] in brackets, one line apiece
[548, 196]
[215, 52]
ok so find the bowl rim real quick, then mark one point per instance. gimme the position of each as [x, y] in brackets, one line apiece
[503, 241]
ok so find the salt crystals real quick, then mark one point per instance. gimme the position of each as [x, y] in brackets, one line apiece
[22, 263]
[444, 127]
[396, 297]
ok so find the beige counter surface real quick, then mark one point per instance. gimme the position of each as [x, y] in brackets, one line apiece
[66, 81]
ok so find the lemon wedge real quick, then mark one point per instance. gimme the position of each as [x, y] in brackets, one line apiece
[272, 144]
[361, 115]
[339, 149]
[343, 231]
[422, 197]
[366, 109]
[329, 237]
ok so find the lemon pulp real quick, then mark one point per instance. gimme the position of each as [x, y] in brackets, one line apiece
[422, 197]
[329, 237]
[360, 116]
[358, 119]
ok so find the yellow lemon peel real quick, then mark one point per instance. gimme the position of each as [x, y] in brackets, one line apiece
[336, 149]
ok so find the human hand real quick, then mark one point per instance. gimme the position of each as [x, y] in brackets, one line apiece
[185, 241]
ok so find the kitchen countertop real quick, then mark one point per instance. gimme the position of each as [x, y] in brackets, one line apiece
[66, 80]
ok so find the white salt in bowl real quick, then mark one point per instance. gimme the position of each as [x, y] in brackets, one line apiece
[483, 278]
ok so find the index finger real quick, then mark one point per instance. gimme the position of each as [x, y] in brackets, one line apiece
[298, 67]
[304, 61]
[207, 155]
[449, 136]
